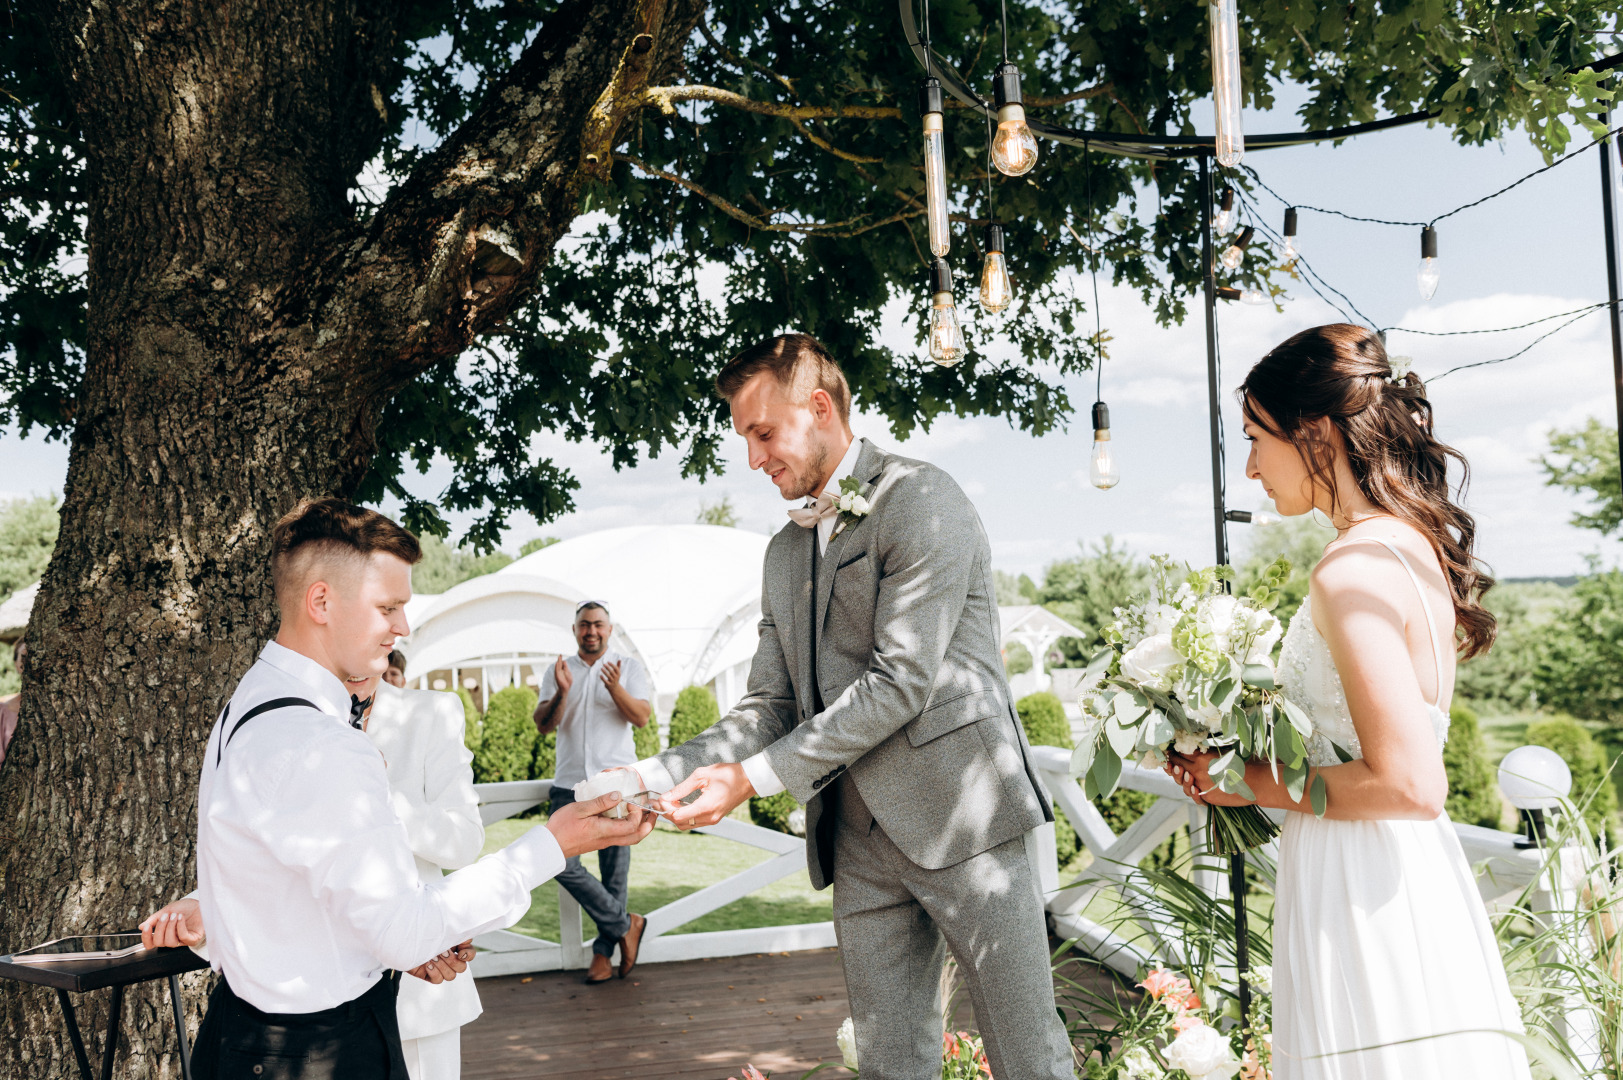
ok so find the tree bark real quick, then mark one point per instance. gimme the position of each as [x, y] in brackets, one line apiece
[245, 331]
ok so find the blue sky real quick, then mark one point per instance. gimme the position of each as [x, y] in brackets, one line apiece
[1534, 252]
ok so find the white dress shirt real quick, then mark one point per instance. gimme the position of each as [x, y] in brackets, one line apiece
[761, 775]
[305, 873]
[593, 734]
[420, 734]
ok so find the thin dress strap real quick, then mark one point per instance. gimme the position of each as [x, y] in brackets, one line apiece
[1425, 606]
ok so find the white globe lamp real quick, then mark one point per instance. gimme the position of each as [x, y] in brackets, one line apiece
[1534, 779]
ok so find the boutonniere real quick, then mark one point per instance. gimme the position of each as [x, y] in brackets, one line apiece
[852, 504]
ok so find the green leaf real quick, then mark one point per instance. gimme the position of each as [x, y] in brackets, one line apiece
[1105, 772]
[1295, 781]
[1342, 754]
[1259, 675]
[1320, 795]
[1122, 738]
[1158, 729]
[1298, 718]
[1082, 757]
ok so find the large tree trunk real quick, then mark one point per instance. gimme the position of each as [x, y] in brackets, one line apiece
[245, 332]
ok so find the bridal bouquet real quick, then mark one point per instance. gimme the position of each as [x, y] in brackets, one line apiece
[1190, 668]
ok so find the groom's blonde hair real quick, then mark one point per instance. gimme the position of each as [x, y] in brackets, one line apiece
[800, 365]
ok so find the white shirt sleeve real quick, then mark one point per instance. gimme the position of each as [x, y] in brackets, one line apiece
[635, 678]
[442, 814]
[328, 816]
[549, 684]
[761, 776]
[655, 776]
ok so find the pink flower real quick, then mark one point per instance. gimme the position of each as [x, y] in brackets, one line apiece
[1185, 1022]
[949, 1045]
[1158, 982]
[750, 1073]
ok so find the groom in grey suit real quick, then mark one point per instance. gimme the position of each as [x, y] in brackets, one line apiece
[877, 698]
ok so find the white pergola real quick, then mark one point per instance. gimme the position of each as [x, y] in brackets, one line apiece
[1037, 629]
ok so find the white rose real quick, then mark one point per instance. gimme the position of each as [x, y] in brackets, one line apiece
[847, 1040]
[1217, 615]
[1203, 1053]
[1138, 1065]
[859, 505]
[1188, 742]
[1152, 661]
[1160, 619]
[845, 501]
[1261, 979]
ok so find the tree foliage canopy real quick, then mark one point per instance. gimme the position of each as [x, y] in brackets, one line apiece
[1584, 461]
[779, 183]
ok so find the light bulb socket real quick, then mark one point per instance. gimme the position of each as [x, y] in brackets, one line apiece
[1227, 202]
[1006, 85]
[1101, 417]
[994, 237]
[1243, 241]
[930, 96]
[1243, 517]
[1428, 243]
[940, 277]
[1228, 292]
[1290, 221]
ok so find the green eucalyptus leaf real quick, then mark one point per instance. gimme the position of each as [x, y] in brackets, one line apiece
[1341, 753]
[1106, 772]
[1122, 738]
[1259, 675]
[1298, 718]
[1319, 795]
[1295, 781]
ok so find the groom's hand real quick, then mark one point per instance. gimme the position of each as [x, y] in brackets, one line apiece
[725, 786]
[581, 827]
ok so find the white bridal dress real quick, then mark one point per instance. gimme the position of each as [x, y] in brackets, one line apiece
[1380, 935]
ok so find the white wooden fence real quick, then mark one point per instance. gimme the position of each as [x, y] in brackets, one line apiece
[1502, 868]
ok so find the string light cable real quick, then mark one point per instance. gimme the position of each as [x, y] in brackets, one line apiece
[1309, 276]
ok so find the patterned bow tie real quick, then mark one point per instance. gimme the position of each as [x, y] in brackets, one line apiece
[357, 710]
[807, 517]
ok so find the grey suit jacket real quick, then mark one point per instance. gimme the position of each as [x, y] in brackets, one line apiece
[915, 702]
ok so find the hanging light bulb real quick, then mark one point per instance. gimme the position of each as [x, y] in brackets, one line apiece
[1254, 296]
[1290, 250]
[946, 336]
[1230, 141]
[1102, 470]
[1225, 211]
[996, 292]
[1014, 147]
[1235, 252]
[935, 167]
[1426, 276]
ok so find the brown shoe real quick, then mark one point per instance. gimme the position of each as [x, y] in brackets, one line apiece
[629, 943]
[600, 971]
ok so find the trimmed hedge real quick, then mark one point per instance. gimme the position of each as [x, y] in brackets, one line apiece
[1473, 783]
[645, 740]
[507, 744]
[1587, 760]
[472, 722]
[772, 811]
[695, 710]
[1043, 716]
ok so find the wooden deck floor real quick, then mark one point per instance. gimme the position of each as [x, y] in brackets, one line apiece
[701, 1019]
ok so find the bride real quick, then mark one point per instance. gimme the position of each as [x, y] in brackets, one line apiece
[1383, 956]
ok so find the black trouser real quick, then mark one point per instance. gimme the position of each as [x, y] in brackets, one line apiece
[605, 900]
[358, 1040]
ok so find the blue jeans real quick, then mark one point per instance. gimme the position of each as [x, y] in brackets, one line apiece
[605, 900]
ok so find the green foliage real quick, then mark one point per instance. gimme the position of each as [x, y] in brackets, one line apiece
[1086, 589]
[1300, 540]
[722, 513]
[1580, 664]
[1504, 676]
[1124, 806]
[544, 764]
[1012, 590]
[27, 538]
[618, 346]
[1016, 658]
[473, 725]
[507, 746]
[772, 811]
[1584, 461]
[532, 546]
[444, 566]
[1043, 716]
[645, 739]
[1587, 760]
[695, 710]
[1473, 783]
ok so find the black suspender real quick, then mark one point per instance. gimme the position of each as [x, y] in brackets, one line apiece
[263, 707]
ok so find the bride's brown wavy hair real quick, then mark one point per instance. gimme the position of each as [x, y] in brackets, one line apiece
[1341, 372]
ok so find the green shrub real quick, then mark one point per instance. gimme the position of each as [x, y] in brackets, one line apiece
[1473, 783]
[1044, 718]
[1587, 760]
[544, 764]
[772, 811]
[472, 722]
[695, 710]
[507, 739]
[646, 739]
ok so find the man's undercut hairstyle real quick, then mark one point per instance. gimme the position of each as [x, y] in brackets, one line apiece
[319, 535]
[798, 362]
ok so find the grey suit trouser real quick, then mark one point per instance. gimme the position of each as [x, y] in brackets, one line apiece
[895, 920]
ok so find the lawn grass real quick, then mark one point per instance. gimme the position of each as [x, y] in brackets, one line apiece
[669, 865]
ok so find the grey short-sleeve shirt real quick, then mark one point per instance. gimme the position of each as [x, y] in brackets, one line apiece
[593, 735]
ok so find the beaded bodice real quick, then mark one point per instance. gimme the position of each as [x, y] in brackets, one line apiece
[1308, 676]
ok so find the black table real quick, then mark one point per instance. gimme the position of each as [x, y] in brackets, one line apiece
[79, 976]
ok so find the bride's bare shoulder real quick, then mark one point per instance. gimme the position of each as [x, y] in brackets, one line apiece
[1356, 572]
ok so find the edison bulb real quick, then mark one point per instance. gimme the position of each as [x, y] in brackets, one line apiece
[1426, 277]
[1102, 470]
[1233, 255]
[935, 167]
[1288, 250]
[1224, 219]
[1229, 142]
[946, 336]
[1014, 147]
[1254, 297]
[996, 291]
